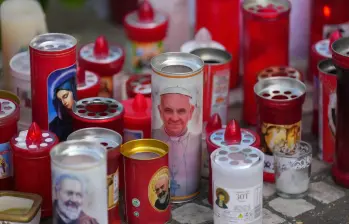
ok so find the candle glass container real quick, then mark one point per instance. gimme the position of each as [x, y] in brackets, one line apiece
[293, 170]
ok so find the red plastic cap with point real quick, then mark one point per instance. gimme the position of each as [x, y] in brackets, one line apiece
[34, 135]
[232, 133]
[139, 103]
[213, 124]
[146, 12]
[335, 36]
[101, 48]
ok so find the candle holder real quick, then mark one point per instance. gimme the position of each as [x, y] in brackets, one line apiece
[293, 170]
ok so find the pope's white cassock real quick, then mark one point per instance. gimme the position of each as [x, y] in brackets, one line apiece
[184, 161]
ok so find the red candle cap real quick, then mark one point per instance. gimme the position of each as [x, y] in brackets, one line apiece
[214, 123]
[34, 135]
[146, 12]
[139, 103]
[101, 48]
[232, 133]
[80, 73]
[335, 36]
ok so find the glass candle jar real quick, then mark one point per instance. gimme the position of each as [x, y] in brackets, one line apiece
[293, 170]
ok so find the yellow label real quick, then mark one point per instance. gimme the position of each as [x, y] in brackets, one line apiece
[106, 87]
[159, 189]
[113, 189]
[280, 137]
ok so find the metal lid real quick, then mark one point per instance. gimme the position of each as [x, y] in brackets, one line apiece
[7, 108]
[237, 157]
[327, 67]
[280, 88]
[20, 65]
[105, 137]
[279, 71]
[217, 138]
[322, 47]
[91, 79]
[87, 53]
[97, 108]
[341, 46]
[266, 7]
[213, 56]
[144, 149]
[53, 42]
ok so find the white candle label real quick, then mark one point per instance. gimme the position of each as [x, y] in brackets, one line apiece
[328, 29]
[113, 189]
[237, 205]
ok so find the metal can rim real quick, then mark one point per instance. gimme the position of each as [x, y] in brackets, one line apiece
[140, 145]
[35, 39]
[204, 51]
[326, 66]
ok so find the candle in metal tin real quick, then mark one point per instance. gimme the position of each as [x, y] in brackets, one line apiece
[237, 179]
[138, 84]
[280, 71]
[225, 137]
[146, 30]
[79, 167]
[18, 207]
[262, 49]
[211, 14]
[31, 155]
[98, 112]
[151, 202]
[327, 110]
[280, 101]
[112, 141]
[105, 60]
[292, 170]
[137, 118]
[88, 84]
[9, 116]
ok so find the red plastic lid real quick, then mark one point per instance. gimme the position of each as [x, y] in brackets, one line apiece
[139, 84]
[101, 57]
[215, 123]
[35, 139]
[280, 71]
[9, 112]
[138, 108]
[146, 24]
[86, 79]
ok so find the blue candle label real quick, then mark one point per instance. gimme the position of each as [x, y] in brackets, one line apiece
[132, 135]
[5, 160]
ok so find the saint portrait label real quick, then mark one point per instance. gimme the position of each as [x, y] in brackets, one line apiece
[159, 190]
[61, 96]
[277, 137]
[106, 87]
[240, 206]
[113, 189]
[5, 160]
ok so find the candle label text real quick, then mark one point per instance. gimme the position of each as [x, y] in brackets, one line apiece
[238, 205]
[113, 189]
[5, 160]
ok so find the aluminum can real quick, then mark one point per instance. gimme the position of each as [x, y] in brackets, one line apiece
[138, 84]
[210, 14]
[280, 101]
[150, 203]
[112, 141]
[137, 118]
[79, 173]
[146, 30]
[340, 168]
[105, 60]
[98, 112]
[266, 41]
[9, 116]
[280, 71]
[327, 110]
[216, 82]
[237, 183]
[53, 77]
[177, 102]
[32, 164]
[88, 84]
[232, 134]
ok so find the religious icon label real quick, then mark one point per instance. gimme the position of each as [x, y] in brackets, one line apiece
[5, 160]
[132, 135]
[113, 189]
[159, 189]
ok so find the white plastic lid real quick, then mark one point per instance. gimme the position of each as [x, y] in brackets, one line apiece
[20, 66]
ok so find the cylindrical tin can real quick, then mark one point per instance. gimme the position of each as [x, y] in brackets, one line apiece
[14, 210]
[146, 30]
[237, 183]
[266, 39]
[20, 71]
[9, 116]
[32, 164]
[226, 137]
[280, 71]
[98, 112]
[88, 84]
[280, 101]
[137, 118]
[210, 14]
[104, 59]
[138, 84]
[112, 141]
[327, 110]
[216, 82]
[340, 169]
[202, 39]
[177, 100]
[79, 174]
[319, 51]
[53, 77]
[151, 202]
